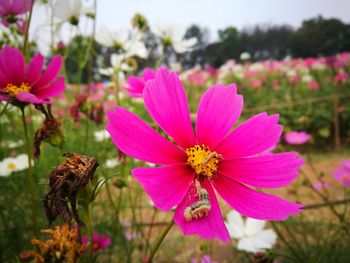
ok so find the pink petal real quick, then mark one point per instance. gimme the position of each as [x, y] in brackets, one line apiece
[50, 74]
[34, 69]
[251, 203]
[167, 185]
[148, 73]
[166, 101]
[30, 98]
[269, 171]
[51, 91]
[210, 226]
[135, 138]
[12, 65]
[253, 136]
[135, 86]
[219, 109]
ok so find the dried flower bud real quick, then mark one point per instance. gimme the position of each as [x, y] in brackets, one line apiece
[140, 22]
[96, 114]
[65, 181]
[49, 131]
[78, 106]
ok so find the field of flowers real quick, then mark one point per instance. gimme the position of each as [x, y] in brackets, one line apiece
[104, 159]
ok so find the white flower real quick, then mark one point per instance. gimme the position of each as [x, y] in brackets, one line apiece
[244, 56]
[70, 10]
[101, 135]
[117, 66]
[251, 235]
[14, 144]
[307, 78]
[111, 163]
[15, 164]
[123, 40]
[174, 35]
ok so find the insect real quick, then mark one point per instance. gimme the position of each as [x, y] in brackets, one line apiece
[201, 208]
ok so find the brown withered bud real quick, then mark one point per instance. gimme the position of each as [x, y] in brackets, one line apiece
[78, 106]
[121, 157]
[50, 131]
[96, 114]
[64, 181]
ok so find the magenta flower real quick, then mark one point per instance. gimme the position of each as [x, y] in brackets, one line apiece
[137, 84]
[320, 185]
[100, 241]
[11, 9]
[342, 174]
[27, 84]
[191, 166]
[204, 259]
[295, 137]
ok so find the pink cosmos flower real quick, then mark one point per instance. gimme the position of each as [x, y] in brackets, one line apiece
[137, 84]
[27, 84]
[204, 259]
[313, 84]
[340, 78]
[295, 137]
[320, 185]
[11, 9]
[100, 241]
[192, 165]
[342, 174]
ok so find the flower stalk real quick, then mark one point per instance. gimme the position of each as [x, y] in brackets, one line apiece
[160, 240]
[30, 170]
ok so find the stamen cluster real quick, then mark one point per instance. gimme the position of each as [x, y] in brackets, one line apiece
[203, 160]
[14, 90]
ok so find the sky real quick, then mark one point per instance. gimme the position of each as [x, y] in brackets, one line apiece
[212, 14]
[218, 14]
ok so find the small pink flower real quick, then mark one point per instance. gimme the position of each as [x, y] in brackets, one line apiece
[137, 84]
[313, 84]
[256, 83]
[342, 174]
[296, 137]
[27, 84]
[192, 165]
[340, 78]
[204, 259]
[319, 185]
[100, 241]
[10, 11]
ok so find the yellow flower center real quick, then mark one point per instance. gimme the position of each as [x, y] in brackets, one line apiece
[11, 166]
[14, 90]
[203, 161]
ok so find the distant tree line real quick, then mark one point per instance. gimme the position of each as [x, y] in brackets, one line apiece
[315, 37]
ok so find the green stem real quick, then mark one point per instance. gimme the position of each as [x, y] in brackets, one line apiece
[86, 136]
[27, 28]
[328, 203]
[90, 232]
[160, 240]
[148, 236]
[30, 171]
[4, 108]
[286, 242]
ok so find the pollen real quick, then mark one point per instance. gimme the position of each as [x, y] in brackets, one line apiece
[203, 161]
[14, 90]
[11, 166]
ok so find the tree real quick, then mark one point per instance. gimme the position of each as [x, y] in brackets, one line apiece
[320, 37]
